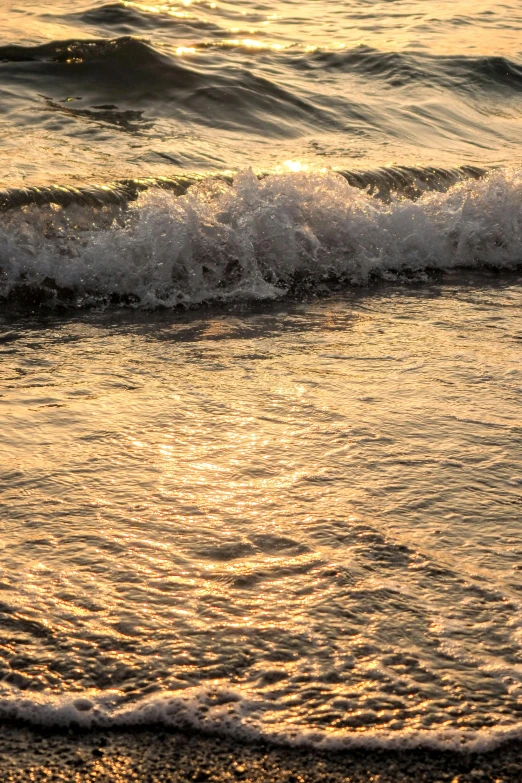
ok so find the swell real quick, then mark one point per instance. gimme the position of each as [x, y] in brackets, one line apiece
[487, 72]
[397, 68]
[130, 18]
[249, 238]
[132, 72]
[134, 87]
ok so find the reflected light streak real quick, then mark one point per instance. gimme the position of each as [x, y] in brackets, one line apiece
[296, 166]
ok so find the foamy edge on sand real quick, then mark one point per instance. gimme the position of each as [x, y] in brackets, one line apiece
[227, 713]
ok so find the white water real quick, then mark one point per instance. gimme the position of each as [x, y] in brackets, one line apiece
[229, 713]
[259, 239]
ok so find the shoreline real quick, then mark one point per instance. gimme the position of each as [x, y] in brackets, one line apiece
[146, 755]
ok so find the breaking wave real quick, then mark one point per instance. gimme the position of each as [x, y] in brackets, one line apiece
[188, 241]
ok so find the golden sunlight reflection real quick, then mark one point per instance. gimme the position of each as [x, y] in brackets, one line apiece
[248, 43]
[459, 27]
[260, 476]
[296, 166]
[300, 167]
[386, 30]
[260, 395]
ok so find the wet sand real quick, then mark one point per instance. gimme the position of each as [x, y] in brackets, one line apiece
[149, 756]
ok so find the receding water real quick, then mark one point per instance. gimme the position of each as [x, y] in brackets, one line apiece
[302, 521]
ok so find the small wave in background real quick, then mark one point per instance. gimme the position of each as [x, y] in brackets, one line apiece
[104, 90]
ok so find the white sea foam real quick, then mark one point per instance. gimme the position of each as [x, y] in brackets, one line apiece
[259, 239]
[229, 713]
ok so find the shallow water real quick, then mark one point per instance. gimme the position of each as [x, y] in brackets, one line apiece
[302, 521]
[260, 371]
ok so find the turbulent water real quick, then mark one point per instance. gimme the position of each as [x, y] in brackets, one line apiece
[260, 338]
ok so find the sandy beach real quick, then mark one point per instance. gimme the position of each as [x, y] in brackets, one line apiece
[149, 756]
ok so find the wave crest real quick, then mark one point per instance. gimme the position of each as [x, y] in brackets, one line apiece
[256, 238]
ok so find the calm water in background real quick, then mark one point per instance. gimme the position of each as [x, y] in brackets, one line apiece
[276, 515]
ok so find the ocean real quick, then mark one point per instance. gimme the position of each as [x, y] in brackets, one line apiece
[260, 375]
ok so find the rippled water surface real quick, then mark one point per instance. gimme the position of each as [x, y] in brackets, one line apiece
[260, 377]
[103, 89]
[305, 519]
